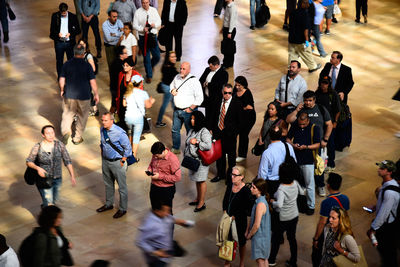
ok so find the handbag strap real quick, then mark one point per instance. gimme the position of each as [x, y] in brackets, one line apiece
[286, 85]
[184, 82]
[276, 122]
[338, 201]
[108, 141]
[137, 104]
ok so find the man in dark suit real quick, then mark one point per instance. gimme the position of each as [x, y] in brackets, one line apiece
[212, 81]
[63, 30]
[224, 124]
[173, 17]
[342, 79]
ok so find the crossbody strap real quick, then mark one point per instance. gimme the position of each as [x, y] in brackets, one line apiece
[108, 141]
[338, 201]
[286, 85]
[314, 151]
[184, 82]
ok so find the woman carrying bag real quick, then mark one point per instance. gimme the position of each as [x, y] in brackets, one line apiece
[199, 137]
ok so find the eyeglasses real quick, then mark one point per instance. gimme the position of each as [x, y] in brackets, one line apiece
[236, 175]
[227, 93]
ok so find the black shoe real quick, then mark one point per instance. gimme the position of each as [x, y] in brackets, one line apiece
[317, 68]
[193, 203]
[6, 38]
[252, 28]
[334, 20]
[200, 209]
[104, 208]
[119, 214]
[285, 27]
[357, 21]
[98, 54]
[216, 179]
[289, 264]
[309, 212]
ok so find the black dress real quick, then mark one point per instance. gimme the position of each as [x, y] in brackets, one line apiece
[248, 121]
[239, 205]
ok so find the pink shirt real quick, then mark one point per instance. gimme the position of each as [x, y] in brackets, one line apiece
[168, 168]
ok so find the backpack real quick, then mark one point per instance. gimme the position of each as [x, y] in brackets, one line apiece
[397, 215]
[96, 63]
[293, 164]
[263, 15]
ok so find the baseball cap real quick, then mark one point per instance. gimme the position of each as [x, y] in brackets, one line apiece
[387, 164]
[325, 79]
[137, 79]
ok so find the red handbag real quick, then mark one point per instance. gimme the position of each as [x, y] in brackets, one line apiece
[210, 156]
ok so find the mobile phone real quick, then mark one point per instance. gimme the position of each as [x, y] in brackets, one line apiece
[367, 209]
[149, 173]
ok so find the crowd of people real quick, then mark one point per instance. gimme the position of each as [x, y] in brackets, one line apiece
[301, 128]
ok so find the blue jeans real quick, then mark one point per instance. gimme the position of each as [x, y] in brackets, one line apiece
[166, 99]
[155, 56]
[179, 118]
[137, 125]
[50, 195]
[61, 48]
[254, 12]
[317, 35]
[308, 173]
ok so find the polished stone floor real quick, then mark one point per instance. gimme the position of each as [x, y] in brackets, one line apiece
[29, 99]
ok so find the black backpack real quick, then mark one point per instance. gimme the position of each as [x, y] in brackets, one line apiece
[293, 164]
[263, 15]
[96, 63]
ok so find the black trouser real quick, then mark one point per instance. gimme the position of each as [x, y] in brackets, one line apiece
[94, 24]
[163, 194]
[229, 56]
[245, 128]
[228, 148]
[331, 149]
[386, 236]
[290, 228]
[174, 31]
[219, 4]
[361, 5]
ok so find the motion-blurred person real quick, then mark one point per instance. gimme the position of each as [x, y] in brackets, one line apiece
[228, 30]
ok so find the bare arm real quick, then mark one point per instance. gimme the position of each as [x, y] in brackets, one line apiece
[320, 228]
[61, 82]
[260, 211]
[93, 84]
[72, 173]
[148, 103]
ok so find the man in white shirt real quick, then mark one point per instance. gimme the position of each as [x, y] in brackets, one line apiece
[146, 22]
[8, 258]
[291, 87]
[188, 95]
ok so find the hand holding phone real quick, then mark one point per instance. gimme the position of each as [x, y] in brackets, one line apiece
[368, 209]
[149, 173]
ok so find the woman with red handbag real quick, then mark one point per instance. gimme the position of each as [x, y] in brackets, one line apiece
[199, 137]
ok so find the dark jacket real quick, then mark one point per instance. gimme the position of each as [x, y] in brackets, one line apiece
[231, 122]
[181, 12]
[344, 81]
[216, 85]
[46, 250]
[73, 26]
[298, 23]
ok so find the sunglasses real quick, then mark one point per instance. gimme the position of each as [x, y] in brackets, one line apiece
[236, 175]
[227, 93]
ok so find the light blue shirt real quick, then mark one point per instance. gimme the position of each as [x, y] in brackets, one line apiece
[155, 233]
[271, 159]
[119, 138]
[89, 7]
[109, 29]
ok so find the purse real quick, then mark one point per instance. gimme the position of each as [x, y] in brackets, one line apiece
[228, 249]
[30, 176]
[129, 160]
[343, 261]
[159, 88]
[44, 183]
[190, 163]
[212, 155]
[319, 164]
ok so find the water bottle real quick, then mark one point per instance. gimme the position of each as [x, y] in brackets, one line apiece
[374, 241]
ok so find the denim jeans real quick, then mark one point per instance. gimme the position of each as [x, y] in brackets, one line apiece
[166, 99]
[148, 62]
[180, 117]
[61, 48]
[308, 173]
[318, 43]
[137, 125]
[94, 24]
[253, 12]
[50, 195]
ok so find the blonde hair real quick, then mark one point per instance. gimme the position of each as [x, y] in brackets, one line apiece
[241, 170]
[344, 227]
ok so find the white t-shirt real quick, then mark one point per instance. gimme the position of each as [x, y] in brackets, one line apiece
[135, 104]
[128, 42]
[9, 258]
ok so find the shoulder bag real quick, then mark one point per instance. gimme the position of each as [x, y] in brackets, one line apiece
[190, 163]
[319, 164]
[343, 261]
[258, 149]
[130, 160]
[228, 249]
[212, 155]
[146, 124]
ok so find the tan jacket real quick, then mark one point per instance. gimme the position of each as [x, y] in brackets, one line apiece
[223, 229]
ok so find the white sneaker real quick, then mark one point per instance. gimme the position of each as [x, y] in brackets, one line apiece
[321, 191]
[240, 159]
[397, 134]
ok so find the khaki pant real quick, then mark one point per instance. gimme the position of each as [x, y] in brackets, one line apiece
[298, 50]
[71, 108]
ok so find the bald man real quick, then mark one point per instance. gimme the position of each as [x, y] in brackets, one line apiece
[188, 95]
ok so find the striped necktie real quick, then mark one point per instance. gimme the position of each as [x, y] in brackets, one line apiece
[222, 117]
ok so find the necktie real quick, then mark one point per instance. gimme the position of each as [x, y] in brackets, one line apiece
[333, 77]
[222, 117]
